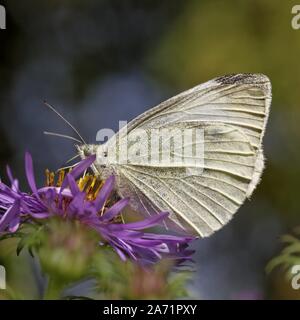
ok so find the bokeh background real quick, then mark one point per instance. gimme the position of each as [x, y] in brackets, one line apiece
[101, 61]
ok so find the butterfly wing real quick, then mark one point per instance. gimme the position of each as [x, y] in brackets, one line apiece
[232, 111]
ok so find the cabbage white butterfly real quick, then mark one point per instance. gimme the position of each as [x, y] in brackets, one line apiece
[232, 112]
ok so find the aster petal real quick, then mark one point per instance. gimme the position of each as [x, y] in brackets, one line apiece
[82, 166]
[79, 169]
[42, 215]
[30, 173]
[89, 212]
[115, 209]
[120, 253]
[50, 195]
[14, 182]
[10, 215]
[169, 237]
[57, 190]
[6, 191]
[121, 246]
[14, 225]
[77, 205]
[147, 243]
[73, 185]
[147, 223]
[104, 192]
[119, 232]
[9, 174]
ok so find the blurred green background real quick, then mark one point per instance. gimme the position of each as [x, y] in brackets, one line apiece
[101, 61]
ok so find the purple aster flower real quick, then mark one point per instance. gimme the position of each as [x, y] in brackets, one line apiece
[73, 199]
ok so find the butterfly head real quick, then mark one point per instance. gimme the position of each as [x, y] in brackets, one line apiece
[100, 166]
[86, 150]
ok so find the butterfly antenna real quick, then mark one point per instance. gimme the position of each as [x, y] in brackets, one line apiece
[65, 120]
[73, 158]
[66, 167]
[61, 136]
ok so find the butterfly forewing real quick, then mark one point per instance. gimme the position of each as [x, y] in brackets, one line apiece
[231, 113]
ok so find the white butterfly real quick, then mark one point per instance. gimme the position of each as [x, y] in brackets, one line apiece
[232, 111]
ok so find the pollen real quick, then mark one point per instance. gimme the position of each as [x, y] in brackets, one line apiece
[90, 184]
[50, 177]
[53, 179]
